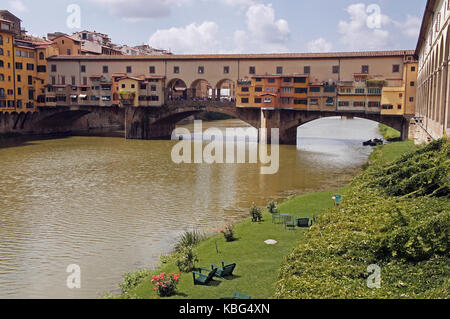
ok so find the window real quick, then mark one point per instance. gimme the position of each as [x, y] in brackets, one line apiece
[245, 89]
[271, 80]
[329, 89]
[153, 88]
[123, 86]
[302, 90]
[83, 69]
[286, 90]
[53, 80]
[41, 68]
[69, 52]
[344, 103]
[314, 102]
[176, 69]
[19, 78]
[19, 91]
[53, 67]
[399, 107]
[73, 80]
[84, 80]
[307, 70]
[396, 68]
[129, 69]
[279, 70]
[2, 64]
[30, 80]
[374, 91]
[360, 91]
[300, 80]
[106, 98]
[105, 69]
[300, 102]
[314, 89]
[335, 69]
[411, 99]
[286, 100]
[258, 89]
[258, 79]
[201, 69]
[19, 66]
[365, 69]
[155, 98]
[41, 56]
[244, 100]
[30, 67]
[438, 22]
[152, 70]
[63, 80]
[258, 100]
[387, 107]
[359, 103]
[226, 69]
[413, 69]
[252, 70]
[374, 104]
[412, 83]
[330, 101]
[267, 100]
[2, 77]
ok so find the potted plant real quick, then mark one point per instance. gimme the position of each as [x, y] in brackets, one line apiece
[165, 285]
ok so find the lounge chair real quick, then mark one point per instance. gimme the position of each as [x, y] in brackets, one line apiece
[277, 218]
[303, 222]
[225, 271]
[238, 295]
[337, 199]
[289, 222]
[202, 279]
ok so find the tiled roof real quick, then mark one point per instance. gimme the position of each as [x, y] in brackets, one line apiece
[245, 56]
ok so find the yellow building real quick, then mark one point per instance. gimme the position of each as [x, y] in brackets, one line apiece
[7, 94]
[23, 70]
[141, 91]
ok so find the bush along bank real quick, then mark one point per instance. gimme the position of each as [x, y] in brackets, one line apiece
[396, 216]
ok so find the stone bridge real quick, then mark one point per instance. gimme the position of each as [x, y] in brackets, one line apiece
[158, 123]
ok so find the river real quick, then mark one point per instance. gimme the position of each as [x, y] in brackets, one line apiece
[112, 205]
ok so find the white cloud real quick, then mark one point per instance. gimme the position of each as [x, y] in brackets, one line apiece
[136, 10]
[17, 6]
[410, 27]
[319, 45]
[264, 34]
[238, 2]
[191, 39]
[356, 34]
[263, 26]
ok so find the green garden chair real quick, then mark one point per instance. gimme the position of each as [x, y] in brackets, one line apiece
[337, 199]
[225, 271]
[303, 222]
[277, 218]
[238, 295]
[289, 222]
[202, 279]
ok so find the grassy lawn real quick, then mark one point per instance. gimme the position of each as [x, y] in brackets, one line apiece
[389, 133]
[393, 151]
[257, 263]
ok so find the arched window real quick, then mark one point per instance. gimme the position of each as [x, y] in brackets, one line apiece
[41, 56]
[1, 64]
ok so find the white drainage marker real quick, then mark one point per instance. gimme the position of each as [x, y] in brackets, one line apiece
[271, 242]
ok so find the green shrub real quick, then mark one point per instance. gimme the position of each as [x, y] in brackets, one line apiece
[255, 213]
[185, 259]
[133, 279]
[189, 238]
[272, 207]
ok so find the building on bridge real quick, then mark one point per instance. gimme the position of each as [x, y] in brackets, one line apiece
[433, 90]
[23, 68]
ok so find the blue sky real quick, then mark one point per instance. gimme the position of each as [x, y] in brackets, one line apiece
[236, 26]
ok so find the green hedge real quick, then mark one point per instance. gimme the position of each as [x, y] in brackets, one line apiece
[394, 215]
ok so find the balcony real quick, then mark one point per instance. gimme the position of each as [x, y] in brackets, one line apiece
[127, 98]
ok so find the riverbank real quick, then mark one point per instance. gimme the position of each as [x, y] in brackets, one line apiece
[258, 265]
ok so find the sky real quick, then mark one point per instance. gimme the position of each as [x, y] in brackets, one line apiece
[233, 26]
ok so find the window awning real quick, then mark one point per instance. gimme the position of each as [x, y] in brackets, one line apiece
[83, 96]
[73, 96]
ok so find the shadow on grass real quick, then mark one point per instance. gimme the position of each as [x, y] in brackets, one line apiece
[232, 277]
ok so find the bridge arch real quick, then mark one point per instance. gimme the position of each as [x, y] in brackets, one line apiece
[201, 89]
[176, 89]
[226, 89]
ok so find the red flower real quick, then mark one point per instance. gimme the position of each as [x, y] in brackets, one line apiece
[221, 230]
